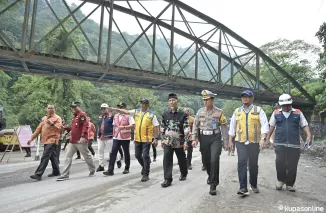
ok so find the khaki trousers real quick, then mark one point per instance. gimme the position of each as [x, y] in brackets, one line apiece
[72, 149]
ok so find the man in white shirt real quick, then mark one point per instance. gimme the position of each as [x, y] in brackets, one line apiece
[122, 125]
[249, 127]
[146, 128]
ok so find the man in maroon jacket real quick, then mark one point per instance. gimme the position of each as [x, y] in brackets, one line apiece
[78, 141]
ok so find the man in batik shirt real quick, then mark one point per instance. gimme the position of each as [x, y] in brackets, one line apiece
[175, 126]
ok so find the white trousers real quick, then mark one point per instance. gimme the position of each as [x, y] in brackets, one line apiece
[102, 145]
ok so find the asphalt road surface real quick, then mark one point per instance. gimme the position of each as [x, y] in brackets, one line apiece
[127, 194]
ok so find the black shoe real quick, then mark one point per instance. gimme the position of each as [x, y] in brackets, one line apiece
[154, 160]
[126, 171]
[254, 189]
[142, 172]
[108, 173]
[189, 167]
[63, 149]
[77, 158]
[203, 168]
[243, 192]
[28, 155]
[36, 177]
[119, 164]
[53, 175]
[100, 169]
[166, 183]
[212, 190]
[182, 177]
[209, 181]
[144, 178]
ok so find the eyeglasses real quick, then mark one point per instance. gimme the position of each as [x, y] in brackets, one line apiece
[103, 108]
[206, 100]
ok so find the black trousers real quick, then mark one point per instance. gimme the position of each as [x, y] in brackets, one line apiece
[90, 148]
[142, 155]
[50, 153]
[116, 146]
[168, 161]
[121, 152]
[27, 149]
[211, 148]
[287, 160]
[247, 152]
[154, 151]
[189, 154]
[58, 149]
[66, 143]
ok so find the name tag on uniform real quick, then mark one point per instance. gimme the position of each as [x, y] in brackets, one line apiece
[214, 125]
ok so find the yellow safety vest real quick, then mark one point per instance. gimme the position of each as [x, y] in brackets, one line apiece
[143, 126]
[248, 125]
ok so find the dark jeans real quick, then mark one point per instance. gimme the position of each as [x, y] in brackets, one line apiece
[211, 148]
[58, 149]
[168, 161]
[115, 148]
[247, 152]
[90, 148]
[286, 164]
[189, 154]
[50, 153]
[66, 143]
[27, 149]
[142, 155]
[154, 151]
[121, 152]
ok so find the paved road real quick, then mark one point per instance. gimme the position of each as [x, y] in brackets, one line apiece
[126, 194]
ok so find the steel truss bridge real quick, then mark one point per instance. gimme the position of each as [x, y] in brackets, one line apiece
[176, 48]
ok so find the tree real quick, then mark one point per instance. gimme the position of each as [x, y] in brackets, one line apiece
[321, 35]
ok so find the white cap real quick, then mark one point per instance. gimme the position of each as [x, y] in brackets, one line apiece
[104, 105]
[285, 99]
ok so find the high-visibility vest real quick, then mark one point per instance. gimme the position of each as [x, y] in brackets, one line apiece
[143, 126]
[124, 133]
[248, 125]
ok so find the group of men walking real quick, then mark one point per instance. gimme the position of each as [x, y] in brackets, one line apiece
[248, 130]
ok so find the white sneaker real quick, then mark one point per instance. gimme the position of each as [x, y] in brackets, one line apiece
[279, 185]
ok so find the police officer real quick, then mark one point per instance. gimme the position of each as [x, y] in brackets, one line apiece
[249, 125]
[287, 122]
[208, 124]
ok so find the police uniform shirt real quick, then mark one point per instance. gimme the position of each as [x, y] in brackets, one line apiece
[210, 122]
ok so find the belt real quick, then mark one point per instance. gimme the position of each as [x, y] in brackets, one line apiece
[209, 132]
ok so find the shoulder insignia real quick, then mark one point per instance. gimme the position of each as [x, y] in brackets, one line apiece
[277, 111]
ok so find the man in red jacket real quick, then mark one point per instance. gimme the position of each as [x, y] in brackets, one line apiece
[78, 141]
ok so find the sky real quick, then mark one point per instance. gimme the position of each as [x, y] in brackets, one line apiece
[257, 21]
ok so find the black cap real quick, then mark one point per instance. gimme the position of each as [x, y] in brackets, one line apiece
[122, 105]
[144, 101]
[173, 95]
[75, 104]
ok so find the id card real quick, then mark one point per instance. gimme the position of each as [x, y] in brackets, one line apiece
[214, 125]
